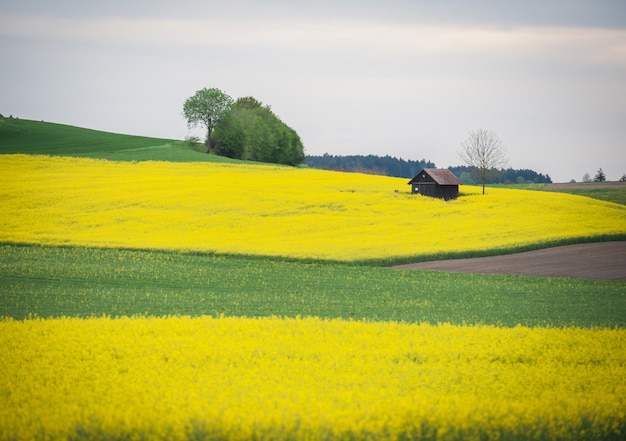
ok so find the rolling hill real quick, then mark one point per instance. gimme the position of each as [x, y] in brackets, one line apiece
[44, 138]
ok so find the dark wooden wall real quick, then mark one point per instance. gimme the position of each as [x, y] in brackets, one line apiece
[435, 190]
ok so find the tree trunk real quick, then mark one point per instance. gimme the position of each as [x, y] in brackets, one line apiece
[208, 141]
[483, 178]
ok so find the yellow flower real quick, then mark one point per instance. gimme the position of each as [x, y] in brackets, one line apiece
[306, 378]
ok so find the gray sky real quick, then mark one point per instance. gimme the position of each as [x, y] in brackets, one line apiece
[398, 77]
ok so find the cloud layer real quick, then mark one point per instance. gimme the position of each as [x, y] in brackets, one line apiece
[403, 79]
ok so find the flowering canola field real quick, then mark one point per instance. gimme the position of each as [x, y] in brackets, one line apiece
[176, 377]
[307, 378]
[275, 211]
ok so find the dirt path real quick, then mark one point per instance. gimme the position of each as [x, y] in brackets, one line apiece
[605, 260]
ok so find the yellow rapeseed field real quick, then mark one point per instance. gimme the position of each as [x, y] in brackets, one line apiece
[274, 211]
[173, 378]
[307, 378]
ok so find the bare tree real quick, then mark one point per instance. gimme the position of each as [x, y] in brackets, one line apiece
[483, 151]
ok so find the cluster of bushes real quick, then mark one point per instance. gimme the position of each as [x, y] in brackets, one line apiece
[251, 131]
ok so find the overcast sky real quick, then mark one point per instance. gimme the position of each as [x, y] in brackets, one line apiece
[397, 77]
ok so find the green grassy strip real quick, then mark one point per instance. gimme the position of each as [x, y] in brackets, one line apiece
[54, 282]
[615, 195]
[525, 186]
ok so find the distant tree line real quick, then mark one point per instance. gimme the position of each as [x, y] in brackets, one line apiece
[370, 164]
[467, 175]
[401, 168]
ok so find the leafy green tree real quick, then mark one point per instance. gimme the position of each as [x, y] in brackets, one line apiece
[206, 107]
[248, 102]
[230, 137]
[253, 132]
[261, 137]
[290, 149]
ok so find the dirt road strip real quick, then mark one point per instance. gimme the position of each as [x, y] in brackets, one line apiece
[604, 261]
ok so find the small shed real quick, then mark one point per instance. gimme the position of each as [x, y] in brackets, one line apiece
[436, 183]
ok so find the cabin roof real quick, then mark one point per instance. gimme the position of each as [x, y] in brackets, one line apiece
[441, 176]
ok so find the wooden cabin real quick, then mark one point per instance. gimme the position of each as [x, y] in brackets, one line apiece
[437, 183]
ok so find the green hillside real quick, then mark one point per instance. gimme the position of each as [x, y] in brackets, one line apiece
[43, 138]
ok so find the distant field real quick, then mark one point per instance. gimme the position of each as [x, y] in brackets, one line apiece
[606, 191]
[537, 187]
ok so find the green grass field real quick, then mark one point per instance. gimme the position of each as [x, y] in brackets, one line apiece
[536, 187]
[54, 282]
[43, 138]
[616, 195]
